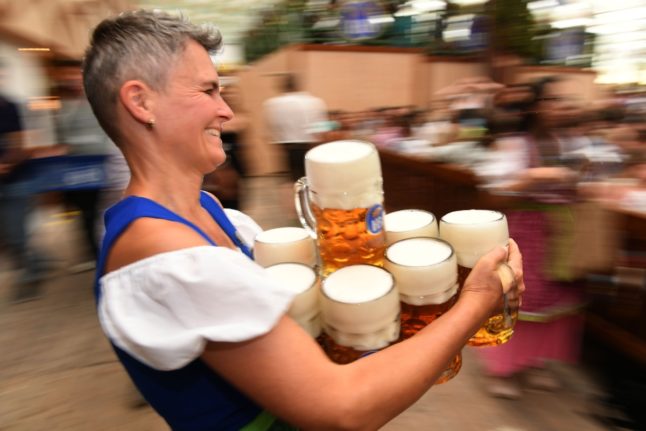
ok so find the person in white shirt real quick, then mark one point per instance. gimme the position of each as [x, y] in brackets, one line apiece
[295, 119]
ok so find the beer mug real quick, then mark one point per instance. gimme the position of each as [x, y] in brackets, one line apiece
[340, 202]
[303, 281]
[411, 223]
[473, 233]
[360, 312]
[426, 274]
[283, 245]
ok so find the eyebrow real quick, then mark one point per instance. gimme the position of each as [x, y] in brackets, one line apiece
[211, 83]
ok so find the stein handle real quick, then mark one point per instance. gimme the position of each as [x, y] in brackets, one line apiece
[508, 282]
[303, 208]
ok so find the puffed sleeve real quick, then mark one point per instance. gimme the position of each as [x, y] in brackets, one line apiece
[163, 309]
[245, 225]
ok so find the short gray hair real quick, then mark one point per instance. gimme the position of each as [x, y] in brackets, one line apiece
[139, 45]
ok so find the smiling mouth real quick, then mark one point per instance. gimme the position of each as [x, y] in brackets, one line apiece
[213, 132]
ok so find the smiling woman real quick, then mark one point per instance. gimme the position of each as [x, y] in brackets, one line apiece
[201, 328]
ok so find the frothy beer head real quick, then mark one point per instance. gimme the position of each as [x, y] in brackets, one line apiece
[360, 307]
[473, 233]
[284, 244]
[425, 270]
[344, 174]
[302, 281]
[411, 223]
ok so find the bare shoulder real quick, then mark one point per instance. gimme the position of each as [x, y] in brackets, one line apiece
[147, 237]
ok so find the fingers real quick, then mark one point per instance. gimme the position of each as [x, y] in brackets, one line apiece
[495, 257]
[507, 277]
[515, 262]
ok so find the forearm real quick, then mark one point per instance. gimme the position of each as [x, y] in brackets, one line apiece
[413, 366]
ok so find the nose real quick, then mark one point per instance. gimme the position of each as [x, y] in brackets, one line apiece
[224, 111]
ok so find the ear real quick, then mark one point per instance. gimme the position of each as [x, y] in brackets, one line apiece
[137, 98]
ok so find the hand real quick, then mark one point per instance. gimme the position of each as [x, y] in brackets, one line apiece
[485, 284]
[555, 174]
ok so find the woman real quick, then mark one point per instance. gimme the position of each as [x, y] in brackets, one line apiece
[531, 164]
[199, 328]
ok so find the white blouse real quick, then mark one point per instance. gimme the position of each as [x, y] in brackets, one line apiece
[163, 309]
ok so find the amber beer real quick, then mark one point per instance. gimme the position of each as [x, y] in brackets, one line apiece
[425, 271]
[303, 282]
[340, 201]
[360, 312]
[284, 245]
[410, 223]
[473, 233]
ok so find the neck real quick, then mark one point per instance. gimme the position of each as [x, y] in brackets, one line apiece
[158, 177]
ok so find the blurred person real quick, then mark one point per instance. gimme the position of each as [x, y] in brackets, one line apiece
[16, 200]
[79, 131]
[528, 165]
[200, 327]
[294, 119]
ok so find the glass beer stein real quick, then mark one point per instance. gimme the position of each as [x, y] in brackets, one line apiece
[410, 223]
[340, 202]
[284, 245]
[303, 282]
[426, 274]
[473, 233]
[360, 312]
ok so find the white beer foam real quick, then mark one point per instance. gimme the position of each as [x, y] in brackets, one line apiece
[282, 235]
[284, 245]
[473, 233]
[403, 220]
[340, 152]
[357, 283]
[297, 278]
[418, 252]
[472, 216]
[424, 269]
[344, 174]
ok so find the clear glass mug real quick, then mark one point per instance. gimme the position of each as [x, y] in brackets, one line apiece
[360, 312]
[284, 245]
[340, 202]
[304, 283]
[426, 274]
[410, 223]
[472, 234]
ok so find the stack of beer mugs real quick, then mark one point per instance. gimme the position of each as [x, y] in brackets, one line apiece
[383, 277]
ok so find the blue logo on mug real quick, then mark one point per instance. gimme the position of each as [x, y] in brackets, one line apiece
[375, 219]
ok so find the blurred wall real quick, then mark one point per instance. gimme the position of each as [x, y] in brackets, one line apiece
[357, 78]
[347, 78]
[358, 81]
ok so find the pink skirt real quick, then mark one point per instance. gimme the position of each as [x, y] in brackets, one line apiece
[532, 344]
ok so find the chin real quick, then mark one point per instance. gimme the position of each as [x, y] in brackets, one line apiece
[216, 162]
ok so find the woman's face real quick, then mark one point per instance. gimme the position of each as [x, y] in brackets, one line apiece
[190, 111]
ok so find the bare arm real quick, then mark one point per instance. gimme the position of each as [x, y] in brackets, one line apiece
[286, 372]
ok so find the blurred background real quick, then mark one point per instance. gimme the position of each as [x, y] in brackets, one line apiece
[535, 108]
